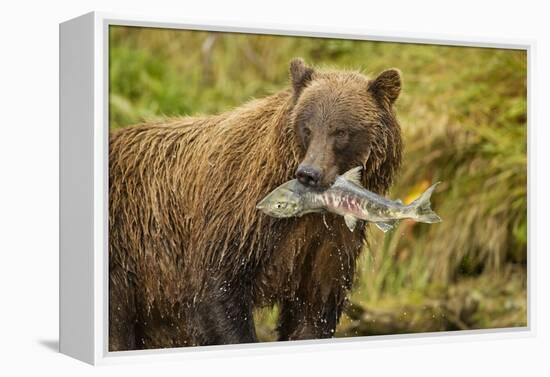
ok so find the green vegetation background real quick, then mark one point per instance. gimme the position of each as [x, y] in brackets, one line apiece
[463, 116]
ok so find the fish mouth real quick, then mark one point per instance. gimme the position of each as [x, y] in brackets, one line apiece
[260, 206]
[263, 206]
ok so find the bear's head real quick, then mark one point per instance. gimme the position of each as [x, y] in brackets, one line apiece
[343, 120]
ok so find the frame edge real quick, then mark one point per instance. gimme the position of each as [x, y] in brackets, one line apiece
[76, 190]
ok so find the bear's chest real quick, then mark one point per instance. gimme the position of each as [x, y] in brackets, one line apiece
[315, 252]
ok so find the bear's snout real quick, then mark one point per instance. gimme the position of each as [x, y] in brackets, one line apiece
[308, 175]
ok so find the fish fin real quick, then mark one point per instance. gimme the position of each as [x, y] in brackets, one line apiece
[353, 175]
[385, 226]
[351, 222]
[421, 207]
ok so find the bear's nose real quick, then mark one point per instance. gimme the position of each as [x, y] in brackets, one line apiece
[308, 175]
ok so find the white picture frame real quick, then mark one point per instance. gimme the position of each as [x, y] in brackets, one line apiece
[84, 190]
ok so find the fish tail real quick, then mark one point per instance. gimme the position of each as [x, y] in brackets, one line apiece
[421, 210]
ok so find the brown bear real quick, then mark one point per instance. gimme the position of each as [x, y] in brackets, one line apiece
[190, 256]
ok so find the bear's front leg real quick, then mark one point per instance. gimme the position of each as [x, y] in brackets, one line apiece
[224, 316]
[122, 310]
[301, 320]
[313, 310]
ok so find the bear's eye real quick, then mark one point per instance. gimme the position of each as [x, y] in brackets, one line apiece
[306, 132]
[340, 133]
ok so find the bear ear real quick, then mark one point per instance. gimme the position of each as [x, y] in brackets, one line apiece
[300, 75]
[387, 86]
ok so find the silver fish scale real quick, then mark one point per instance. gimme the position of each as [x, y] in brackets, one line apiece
[345, 197]
[344, 202]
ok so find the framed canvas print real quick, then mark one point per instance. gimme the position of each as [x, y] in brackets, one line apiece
[228, 188]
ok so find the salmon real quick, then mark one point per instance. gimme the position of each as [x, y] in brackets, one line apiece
[348, 198]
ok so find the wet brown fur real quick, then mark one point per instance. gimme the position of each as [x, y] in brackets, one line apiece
[190, 256]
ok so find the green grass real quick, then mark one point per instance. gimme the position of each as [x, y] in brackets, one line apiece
[463, 115]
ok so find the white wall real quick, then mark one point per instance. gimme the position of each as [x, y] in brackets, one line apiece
[29, 185]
